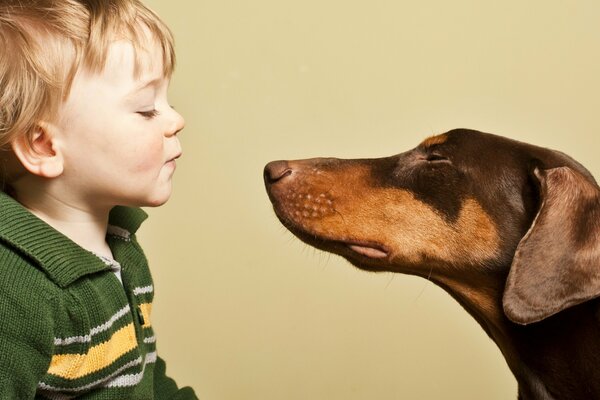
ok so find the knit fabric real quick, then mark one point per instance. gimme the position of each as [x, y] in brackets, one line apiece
[68, 327]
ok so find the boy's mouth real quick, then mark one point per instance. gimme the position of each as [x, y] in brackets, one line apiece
[174, 158]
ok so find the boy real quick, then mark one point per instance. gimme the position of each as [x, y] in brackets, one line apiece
[87, 135]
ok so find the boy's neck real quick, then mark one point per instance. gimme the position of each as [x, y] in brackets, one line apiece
[84, 226]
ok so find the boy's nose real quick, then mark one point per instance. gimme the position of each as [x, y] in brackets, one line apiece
[177, 125]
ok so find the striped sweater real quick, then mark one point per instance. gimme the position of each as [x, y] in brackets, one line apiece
[68, 327]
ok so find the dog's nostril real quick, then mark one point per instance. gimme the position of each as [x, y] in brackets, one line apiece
[276, 170]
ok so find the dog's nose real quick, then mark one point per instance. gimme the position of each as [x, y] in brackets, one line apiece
[276, 170]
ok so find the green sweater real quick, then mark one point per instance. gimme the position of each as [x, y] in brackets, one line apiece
[68, 327]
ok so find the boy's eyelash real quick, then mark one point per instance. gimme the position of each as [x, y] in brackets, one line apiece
[149, 114]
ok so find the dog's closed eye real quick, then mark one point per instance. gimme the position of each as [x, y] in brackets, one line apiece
[434, 157]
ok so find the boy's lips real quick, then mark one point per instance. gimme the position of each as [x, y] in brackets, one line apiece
[171, 162]
[174, 158]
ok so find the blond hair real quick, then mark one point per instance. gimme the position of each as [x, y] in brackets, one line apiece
[43, 43]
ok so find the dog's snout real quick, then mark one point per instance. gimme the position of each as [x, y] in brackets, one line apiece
[276, 170]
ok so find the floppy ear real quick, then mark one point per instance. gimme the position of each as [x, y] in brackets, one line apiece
[557, 263]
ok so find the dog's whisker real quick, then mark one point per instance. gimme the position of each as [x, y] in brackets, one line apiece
[425, 285]
[341, 216]
[291, 239]
[418, 297]
[305, 249]
[390, 280]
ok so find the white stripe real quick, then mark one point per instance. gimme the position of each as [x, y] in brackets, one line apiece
[113, 264]
[94, 331]
[150, 339]
[133, 379]
[143, 290]
[109, 262]
[120, 232]
[45, 387]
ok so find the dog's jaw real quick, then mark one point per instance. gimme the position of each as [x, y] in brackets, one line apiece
[372, 256]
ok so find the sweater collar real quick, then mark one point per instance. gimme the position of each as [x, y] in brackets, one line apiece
[62, 260]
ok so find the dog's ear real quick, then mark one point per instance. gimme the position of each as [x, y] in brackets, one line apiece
[557, 263]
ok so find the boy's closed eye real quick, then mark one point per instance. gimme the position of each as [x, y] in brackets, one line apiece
[149, 114]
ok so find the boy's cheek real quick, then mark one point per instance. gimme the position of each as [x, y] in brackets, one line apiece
[147, 158]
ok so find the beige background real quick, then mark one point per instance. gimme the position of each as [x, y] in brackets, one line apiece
[244, 310]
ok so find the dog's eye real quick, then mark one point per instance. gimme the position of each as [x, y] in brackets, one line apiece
[436, 157]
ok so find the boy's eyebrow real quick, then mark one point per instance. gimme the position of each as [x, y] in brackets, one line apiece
[144, 85]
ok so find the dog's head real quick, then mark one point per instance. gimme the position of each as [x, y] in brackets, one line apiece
[463, 203]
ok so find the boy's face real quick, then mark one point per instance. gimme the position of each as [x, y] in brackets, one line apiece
[118, 133]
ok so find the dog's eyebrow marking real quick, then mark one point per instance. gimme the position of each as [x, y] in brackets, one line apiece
[433, 140]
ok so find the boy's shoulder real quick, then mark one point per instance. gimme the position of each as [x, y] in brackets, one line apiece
[18, 270]
[18, 274]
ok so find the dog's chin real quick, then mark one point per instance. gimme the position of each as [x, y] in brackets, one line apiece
[366, 255]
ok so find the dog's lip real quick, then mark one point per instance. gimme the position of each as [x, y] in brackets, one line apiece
[368, 249]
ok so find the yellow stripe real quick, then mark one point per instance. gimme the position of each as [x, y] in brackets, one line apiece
[146, 310]
[73, 366]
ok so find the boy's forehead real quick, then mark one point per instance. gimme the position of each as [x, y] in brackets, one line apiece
[118, 80]
[141, 63]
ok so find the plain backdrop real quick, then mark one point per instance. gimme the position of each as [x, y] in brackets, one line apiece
[244, 310]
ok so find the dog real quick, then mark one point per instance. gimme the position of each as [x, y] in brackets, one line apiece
[509, 229]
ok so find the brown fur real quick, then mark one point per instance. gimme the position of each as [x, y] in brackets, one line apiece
[510, 230]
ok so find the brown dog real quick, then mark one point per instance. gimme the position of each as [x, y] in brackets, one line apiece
[510, 230]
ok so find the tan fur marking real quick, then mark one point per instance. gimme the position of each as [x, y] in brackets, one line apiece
[413, 231]
[416, 232]
[433, 140]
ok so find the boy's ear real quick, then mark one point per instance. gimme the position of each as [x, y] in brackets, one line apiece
[40, 156]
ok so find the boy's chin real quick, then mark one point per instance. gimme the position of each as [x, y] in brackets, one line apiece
[156, 203]
[156, 200]
[143, 197]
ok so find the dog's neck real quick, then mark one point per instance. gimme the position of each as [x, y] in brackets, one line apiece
[532, 350]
